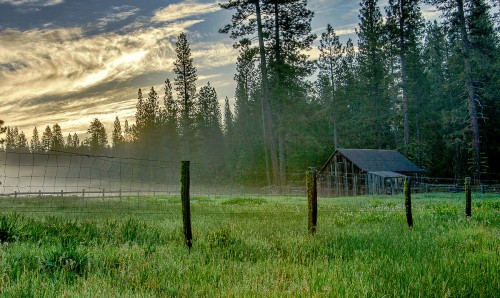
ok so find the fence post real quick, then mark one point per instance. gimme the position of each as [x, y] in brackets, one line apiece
[312, 199]
[407, 194]
[186, 211]
[468, 198]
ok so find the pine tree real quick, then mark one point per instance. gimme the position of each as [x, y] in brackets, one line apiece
[455, 14]
[22, 142]
[69, 141]
[47, 139]
[243, 24]
[185, 85]
[228, 119]
[438, 107]
[373, 75]
[329, 63]
[485, 62]
[57, 138]
[2, 130]
[405, 23]
[247, 150]
[117, 137]
[35, 144]
[98, 139]
[11, 138]
[170, 120]
[75, 141]
[139, 116]
[208, 127]
[128, 135]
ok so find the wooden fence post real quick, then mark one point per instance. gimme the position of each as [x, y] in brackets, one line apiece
[468, 198]
[312, 200]
[407, 194]
[186, 211]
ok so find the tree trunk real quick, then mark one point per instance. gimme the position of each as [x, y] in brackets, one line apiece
[334, 110]
[269, 128]
[402, 54]
[469, 85]
[282, 158]
[281, 122]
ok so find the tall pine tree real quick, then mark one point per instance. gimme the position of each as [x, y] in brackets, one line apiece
[185, 85]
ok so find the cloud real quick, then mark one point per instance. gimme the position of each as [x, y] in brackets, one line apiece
[117, 14]
[64, 76]
[212, 55]
[37, 3]
[54, 61]
[183, 10]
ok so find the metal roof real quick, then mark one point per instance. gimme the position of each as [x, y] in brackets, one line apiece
[373, 160]
[387, 174]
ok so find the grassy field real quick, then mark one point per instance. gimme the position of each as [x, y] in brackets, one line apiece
[250, 247]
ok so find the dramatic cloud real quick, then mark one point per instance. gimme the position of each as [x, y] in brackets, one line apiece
[41, 62]
[65, 76]
[37, 3]
[117, 14]
[184, 10]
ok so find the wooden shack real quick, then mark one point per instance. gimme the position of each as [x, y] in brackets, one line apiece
[365, 171]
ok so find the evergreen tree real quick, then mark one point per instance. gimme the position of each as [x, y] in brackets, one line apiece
[11, 138]
[170, 120]
[228, 119]
[329, 64]
[405, 23]
[463, 27]
[57, 138]
[117, 137]
[35, 144]
[247, 150]
[438, 154]
[374, 109]
[127, 132]
[248, 21]
[22, 142]
[485, 63]
[208, 127]
[348, 97]
[2, 130]
[185, 85]
[47, 139]
[98, 139]
[75, 141]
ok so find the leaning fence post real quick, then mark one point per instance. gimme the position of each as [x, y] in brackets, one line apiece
[468, 198]
[312, 199]
[407, 194]
[186, 211]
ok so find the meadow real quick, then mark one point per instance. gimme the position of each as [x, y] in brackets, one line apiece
[250, 246]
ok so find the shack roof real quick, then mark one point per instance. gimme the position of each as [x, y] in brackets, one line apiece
[372, 160]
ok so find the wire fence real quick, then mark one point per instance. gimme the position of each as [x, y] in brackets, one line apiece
[77, 175]
[24, 174]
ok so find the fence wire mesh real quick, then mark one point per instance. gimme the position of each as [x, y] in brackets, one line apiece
[70, 182]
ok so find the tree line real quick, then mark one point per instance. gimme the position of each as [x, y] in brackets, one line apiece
[427, 89]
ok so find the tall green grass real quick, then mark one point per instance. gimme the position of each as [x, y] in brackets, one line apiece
[250, 246]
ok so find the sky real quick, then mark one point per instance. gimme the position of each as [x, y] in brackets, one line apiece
[69, 61]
